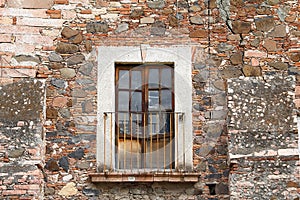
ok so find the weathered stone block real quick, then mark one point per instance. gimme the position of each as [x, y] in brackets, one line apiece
[65, 48]
[251, 70]
[237, 58]
[257, 104]
[198, 34]
[156, 4]
[279, 65]
[97, 27]
[75, 59]
[29, 3]
[239, 27]
[264, 24]
[68, 32]
[67, 73]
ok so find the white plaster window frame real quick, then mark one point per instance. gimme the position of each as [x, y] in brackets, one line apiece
[181, 57]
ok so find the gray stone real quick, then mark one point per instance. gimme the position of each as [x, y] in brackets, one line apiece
[83, 165]
[91, 192]
[218, 114]
[77, 92]
[279, 31]
[122, 27]
[65, 112]
[236, 58]
[158, 28]
[214, 130]
[65, 48]
[68, 32]
[97, 27]
[219, 99]
[84, 81]
[16, 153]
[67, 73]
[86, 128]
[86, 69]
[136, 13]
[198, 107]
[200, 66]
[78, 154]
[222, 188]
[219, 84]
[27, 58]
[156, 4]
[54, 57]
[279, 65]
[264, 24]
[202, 76]
[196, 20]
[204, 150]
[75, 59]
[282, 12]
[255, 42]
[230, 73]
[240, 27]
[64, 163]
[59, 83]
[251, 70]
[223, 47]
[87, 106]
[88, 45]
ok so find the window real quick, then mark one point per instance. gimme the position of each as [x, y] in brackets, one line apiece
[144, 95]
[144, 116]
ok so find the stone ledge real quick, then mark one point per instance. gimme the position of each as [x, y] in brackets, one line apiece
[144, 177]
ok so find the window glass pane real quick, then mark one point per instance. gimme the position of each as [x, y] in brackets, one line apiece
[153, 123]
[166, 77]
[123, 101]
[136, 101]
[153, 78]
[137, 128]
[123, 123]
[153, 100]
[136, 80]
[166, 100]
[123, 81]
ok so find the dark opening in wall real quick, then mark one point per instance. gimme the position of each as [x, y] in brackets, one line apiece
[212, 188]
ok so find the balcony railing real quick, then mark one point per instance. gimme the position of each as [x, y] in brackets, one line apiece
[143, 142]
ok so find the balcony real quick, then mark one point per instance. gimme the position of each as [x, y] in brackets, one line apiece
[143, 146]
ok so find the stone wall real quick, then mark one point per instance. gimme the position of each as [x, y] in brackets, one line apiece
[22, 145]
[263, 138]
[57, 40]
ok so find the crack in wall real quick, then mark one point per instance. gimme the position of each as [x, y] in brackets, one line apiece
[224, 7]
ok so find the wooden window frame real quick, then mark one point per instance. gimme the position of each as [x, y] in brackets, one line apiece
[145, 89]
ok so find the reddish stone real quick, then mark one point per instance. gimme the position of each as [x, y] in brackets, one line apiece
[60, 102]
[198, 34]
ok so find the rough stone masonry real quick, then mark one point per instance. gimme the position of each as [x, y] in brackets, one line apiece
[245, 83]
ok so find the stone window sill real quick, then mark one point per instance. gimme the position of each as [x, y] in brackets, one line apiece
[144, 177]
